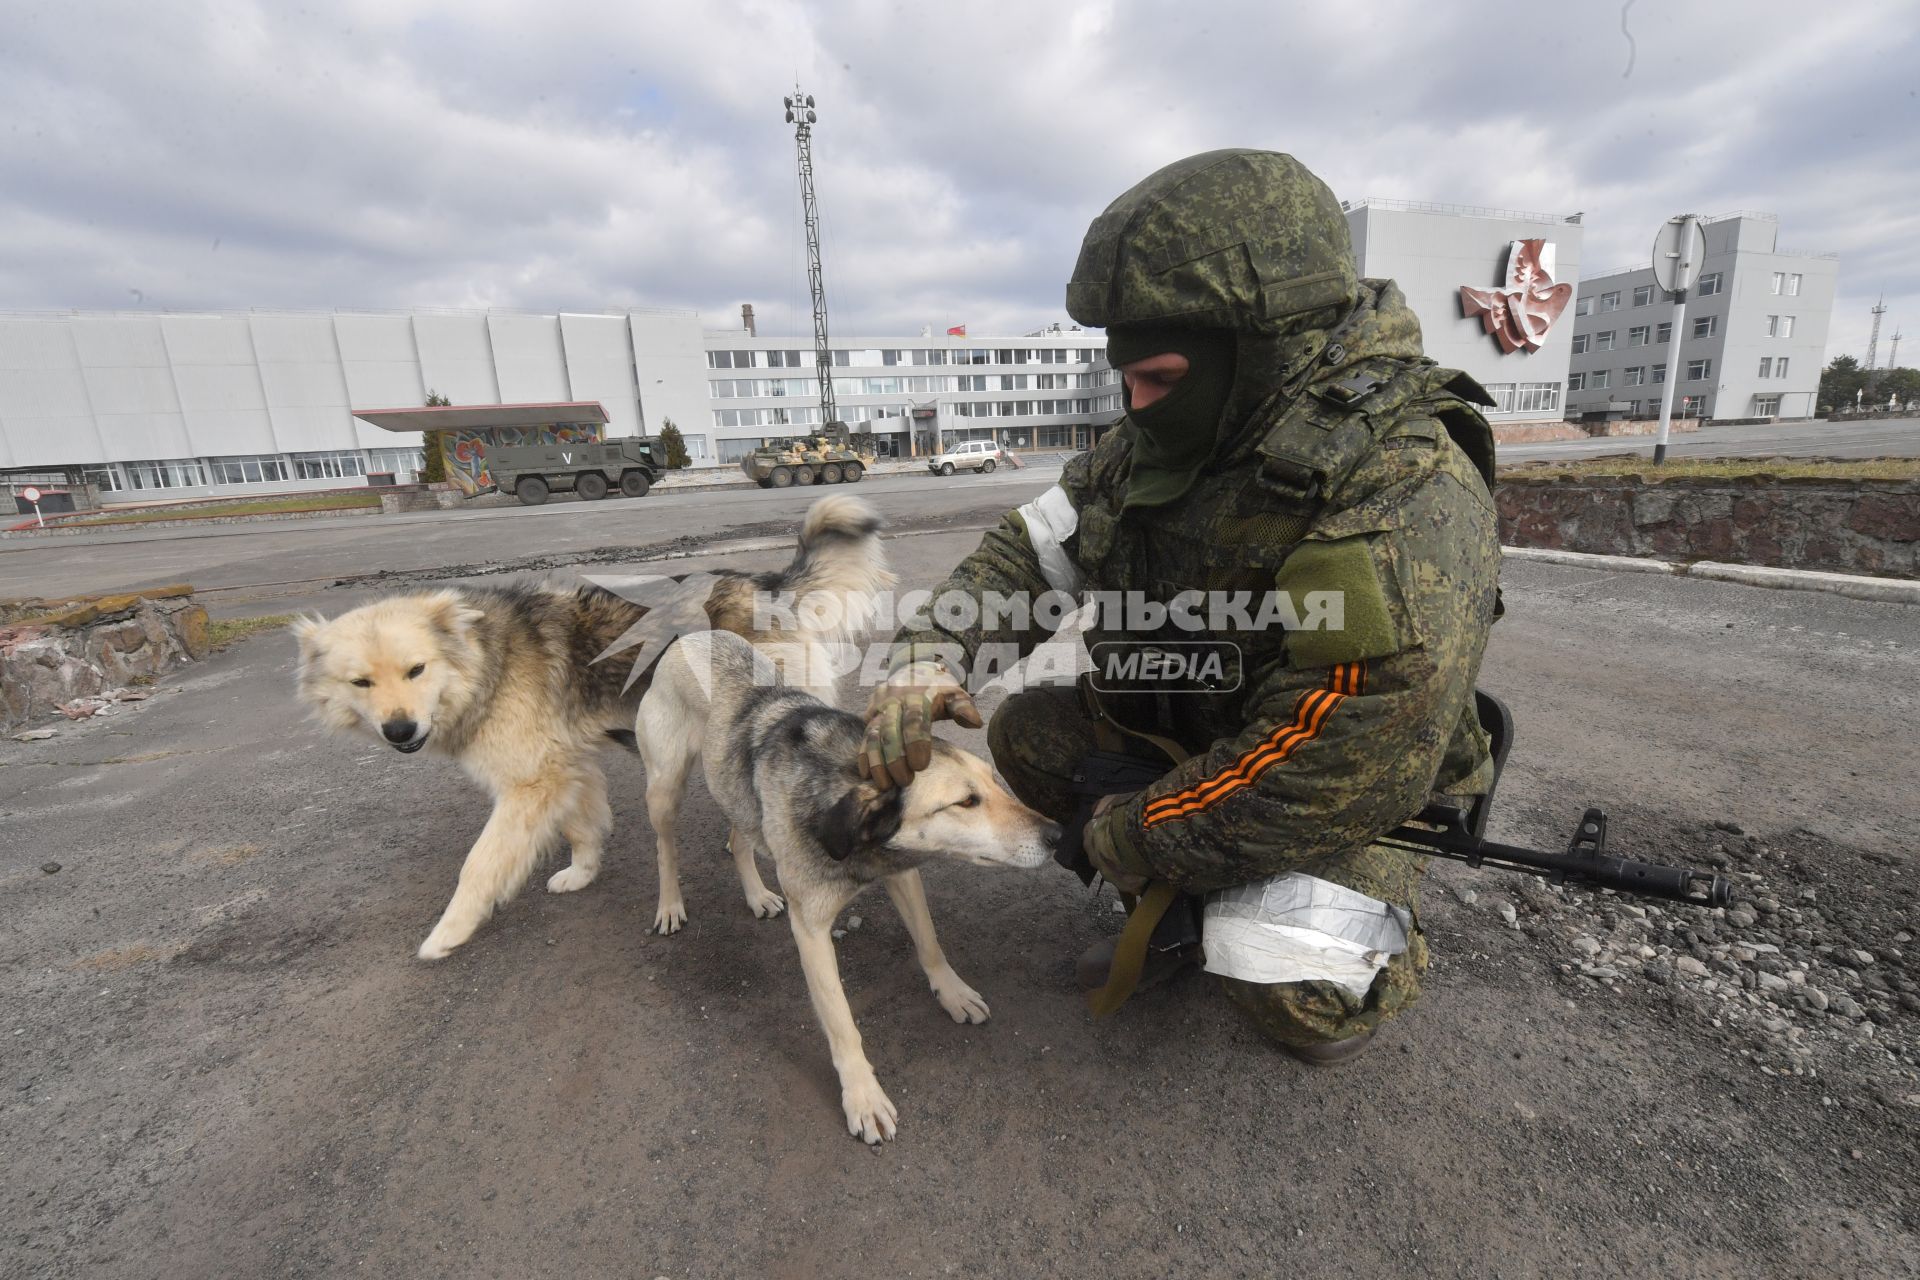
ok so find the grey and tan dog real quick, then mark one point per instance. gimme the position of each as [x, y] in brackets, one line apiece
[518, 686]
[781, 765]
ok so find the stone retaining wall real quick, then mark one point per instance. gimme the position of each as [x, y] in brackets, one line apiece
[1840, 526]
[52, 652]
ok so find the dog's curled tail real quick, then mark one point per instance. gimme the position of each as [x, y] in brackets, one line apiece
[838, 515]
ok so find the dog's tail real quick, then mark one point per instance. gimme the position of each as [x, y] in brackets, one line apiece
[839, 570]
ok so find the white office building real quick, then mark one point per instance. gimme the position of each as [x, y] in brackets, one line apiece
[1755, 335]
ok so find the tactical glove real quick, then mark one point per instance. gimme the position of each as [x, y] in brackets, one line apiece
[900, 716]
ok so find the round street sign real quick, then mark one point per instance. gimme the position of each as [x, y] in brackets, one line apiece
[31, 494]
[1678, 250]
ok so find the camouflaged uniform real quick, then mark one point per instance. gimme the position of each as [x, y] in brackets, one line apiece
[1350, 464]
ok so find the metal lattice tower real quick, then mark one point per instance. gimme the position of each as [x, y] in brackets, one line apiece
[1873, 339]
[1893, 352]
[801, 115]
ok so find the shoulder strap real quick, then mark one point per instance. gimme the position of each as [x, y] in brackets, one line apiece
[1329, 428]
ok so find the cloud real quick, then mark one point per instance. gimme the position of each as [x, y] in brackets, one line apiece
[394, 153]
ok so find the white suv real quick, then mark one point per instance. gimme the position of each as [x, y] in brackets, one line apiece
[968, 455]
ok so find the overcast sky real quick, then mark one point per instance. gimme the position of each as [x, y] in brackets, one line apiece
[556, 156]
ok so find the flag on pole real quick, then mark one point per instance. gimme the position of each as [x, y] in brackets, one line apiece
[958, 331]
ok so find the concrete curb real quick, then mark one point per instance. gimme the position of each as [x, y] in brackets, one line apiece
[1858, 586]
[1589, 560]
[1853, 585]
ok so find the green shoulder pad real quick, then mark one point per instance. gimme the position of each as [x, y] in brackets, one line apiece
[1366, 623]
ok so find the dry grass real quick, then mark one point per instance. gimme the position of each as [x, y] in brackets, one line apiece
[241, 507]
[1720, 469]
[228, 631]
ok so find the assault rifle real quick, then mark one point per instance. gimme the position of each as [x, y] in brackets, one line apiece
[1446, 831]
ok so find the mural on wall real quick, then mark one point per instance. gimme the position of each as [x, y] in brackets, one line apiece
[1519, 315]
[466, 449]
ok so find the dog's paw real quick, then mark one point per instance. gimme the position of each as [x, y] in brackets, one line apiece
[766, 904]
[670, 917]
[439, 944]
[871, 1115]
[962, 1002]
[567, 879]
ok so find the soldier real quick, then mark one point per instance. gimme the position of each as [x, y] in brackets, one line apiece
[1284, 434]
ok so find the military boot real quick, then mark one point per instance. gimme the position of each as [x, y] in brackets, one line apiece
[1096, 962]
[1331, 1053]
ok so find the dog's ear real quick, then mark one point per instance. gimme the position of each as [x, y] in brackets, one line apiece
[450, 612]
[865, 817]
[306, 633]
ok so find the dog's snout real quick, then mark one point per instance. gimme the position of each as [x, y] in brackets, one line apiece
[398, 731]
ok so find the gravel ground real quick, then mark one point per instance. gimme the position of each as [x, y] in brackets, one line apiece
[218, 1057]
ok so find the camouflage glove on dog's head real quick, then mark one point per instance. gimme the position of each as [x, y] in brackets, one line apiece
[900, 716]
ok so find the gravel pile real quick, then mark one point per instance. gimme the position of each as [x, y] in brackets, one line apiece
[1797, 968]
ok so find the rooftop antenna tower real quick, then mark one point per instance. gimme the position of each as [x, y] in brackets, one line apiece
[802, 116]
[1873, 339]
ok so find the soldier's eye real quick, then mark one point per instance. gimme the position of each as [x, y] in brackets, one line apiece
[418, 667]
[363, 683]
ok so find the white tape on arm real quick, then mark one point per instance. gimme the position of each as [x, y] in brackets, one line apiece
[1051, 519]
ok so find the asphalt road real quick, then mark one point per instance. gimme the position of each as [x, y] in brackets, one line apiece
[245, 567]
[220, 1057]
[242, 564]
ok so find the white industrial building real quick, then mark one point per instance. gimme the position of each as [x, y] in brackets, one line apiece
[152, 406]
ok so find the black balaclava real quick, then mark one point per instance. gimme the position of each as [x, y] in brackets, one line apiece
[1175, 436]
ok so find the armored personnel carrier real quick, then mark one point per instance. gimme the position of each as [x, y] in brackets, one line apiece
[830, 457]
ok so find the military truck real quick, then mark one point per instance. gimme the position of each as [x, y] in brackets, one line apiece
[532, 471]
[831, 457]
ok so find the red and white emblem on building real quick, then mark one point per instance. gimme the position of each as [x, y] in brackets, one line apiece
[1519, 315]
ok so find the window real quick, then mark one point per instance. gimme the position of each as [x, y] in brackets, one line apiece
[1786, 326]
[1766, 367]
[1538, 397]
[1610, 301]
[1780, 367]
[1659, 374]
[1502, 393]
[1642, 295]
[1709, 285]
[1636, 377]
[1779, 281]
[1793, 286]
[1699, 370]
[1773, 326]
[1706, 326]
[1580, 341]
[1638, 335]
[328, 466]
[1576, 382]
[1766, 406]
[397, 462]
[1584, 307]
[1663, 333]
[1597, 380]
[1604, 341]
[251, 468]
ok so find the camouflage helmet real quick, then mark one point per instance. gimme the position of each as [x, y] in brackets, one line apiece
[1233, 239]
